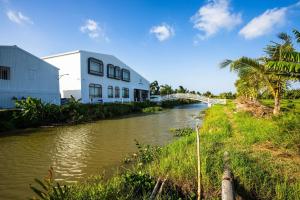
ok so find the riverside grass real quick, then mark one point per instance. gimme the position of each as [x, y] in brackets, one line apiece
[264, 157]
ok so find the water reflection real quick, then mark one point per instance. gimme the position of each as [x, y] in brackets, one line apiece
[76, 152]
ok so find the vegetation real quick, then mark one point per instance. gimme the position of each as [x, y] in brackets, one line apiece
[32, 112]
[270, 73]
[152, 109]
[180, 132]
[264, 157]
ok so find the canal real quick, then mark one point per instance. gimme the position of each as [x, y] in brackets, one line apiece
[76, 152]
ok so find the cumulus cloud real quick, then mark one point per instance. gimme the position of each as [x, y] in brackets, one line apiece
[18, 17]
[162, 32]
[93, 30]
[264, 23]
[214, 16]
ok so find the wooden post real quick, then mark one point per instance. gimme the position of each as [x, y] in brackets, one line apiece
[199, 164]
[227, 180]
[155, 190]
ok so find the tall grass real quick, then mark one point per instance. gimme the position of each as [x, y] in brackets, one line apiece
[263, 152]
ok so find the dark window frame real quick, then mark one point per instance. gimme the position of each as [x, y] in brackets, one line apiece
[101, 70]
[108, 70]
[94, 86]
[123, 79]
[117, 68]
[125, 93]
[112, 90]
[5, 73]
[117, 92]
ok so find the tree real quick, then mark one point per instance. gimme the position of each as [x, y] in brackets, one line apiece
[154, 88]
[285, 60]
[208, 94]
[181, 89]
[227, 95]
[257, 74]
[166, 89]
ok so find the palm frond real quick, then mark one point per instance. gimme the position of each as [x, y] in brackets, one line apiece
[291, 56]
[285, 37]
[225, 63]
[283, 66]
[297, 35]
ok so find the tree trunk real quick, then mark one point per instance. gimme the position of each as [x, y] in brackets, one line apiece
[277, 100]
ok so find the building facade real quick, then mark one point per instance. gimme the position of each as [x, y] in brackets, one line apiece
[23, 74]
[94, 77]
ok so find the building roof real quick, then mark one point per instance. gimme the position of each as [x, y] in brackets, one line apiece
[26, 52]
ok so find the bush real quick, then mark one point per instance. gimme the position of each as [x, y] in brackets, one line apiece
[152, 109]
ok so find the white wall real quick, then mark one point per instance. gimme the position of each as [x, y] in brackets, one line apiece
[29, 76]
[69, 73]
[136, 80]
[75, 64]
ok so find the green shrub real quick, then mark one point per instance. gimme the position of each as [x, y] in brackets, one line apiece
[152, 109]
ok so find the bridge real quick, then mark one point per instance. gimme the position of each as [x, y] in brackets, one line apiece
[195, 97]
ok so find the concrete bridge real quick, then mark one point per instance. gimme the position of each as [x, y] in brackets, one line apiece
[195, 97]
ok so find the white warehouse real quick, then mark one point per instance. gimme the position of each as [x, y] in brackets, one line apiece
[94, 77]
[23, 74]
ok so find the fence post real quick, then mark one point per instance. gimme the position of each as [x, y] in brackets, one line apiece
[227, 180]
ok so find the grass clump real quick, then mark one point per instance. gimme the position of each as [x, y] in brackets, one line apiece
[180, 132]
[152, 109]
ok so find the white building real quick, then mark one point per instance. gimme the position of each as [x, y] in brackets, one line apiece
[23, 74]
[94, 77]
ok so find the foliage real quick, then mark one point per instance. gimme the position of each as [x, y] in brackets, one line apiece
[166, 89]
[49, 190]
[208, 94]
[145, 154]
[181, 132]
[227, 95]
[154, 88]
[271, 72]
[152, 109]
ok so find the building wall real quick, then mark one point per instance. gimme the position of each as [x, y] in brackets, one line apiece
[69, 74]
[29, 76]
[136, 80]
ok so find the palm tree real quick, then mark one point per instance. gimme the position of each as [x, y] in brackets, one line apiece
[284, 59]
[259, 72]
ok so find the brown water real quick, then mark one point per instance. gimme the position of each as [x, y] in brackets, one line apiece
[76, 152]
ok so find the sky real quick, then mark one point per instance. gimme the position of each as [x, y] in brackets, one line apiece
[176, 42]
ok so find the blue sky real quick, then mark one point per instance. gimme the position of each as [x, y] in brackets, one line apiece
[177, 42]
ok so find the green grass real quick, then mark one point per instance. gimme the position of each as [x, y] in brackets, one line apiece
[286, 104]
[264, 157]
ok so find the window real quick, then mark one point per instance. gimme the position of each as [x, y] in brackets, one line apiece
[117, 72]
[95, 67]
[125, 93]
[125, 75]
[110, 92]
[117, 92]
[95, 91]
[110, 71]
[4, 73]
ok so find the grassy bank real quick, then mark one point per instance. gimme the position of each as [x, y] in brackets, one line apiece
[264, 157]
[34, 113]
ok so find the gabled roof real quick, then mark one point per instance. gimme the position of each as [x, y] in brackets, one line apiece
[26, 52]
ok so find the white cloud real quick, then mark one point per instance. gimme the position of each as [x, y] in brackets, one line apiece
[18, 17]
[264, 23]
[162, 32]
[214, 16]
[93, 30]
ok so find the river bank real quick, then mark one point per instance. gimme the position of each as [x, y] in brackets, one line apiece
[78, 151]
[34, 113]
[264, 157]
